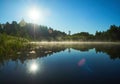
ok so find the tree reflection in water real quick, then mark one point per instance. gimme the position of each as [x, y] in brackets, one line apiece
[78, 63]
[47, 50]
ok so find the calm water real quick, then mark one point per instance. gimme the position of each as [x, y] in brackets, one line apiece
[63, 64]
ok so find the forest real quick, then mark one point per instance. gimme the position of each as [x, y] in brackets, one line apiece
[34, 32]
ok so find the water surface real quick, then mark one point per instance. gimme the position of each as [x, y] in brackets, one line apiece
[63, 64]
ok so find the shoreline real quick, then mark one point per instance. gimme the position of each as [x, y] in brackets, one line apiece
[70, 42]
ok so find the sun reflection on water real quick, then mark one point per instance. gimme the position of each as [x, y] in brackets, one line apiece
[34, 67]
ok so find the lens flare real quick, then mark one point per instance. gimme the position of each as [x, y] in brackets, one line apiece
[81, 62]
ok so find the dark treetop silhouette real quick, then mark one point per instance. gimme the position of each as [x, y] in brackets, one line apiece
[44, 33]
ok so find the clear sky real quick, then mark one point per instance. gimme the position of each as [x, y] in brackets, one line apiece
[64, 15]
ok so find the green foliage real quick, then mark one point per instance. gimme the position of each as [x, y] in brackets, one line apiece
[112, 34]
[32, 31]
[82, 36]
[10, 45]
[43, 33]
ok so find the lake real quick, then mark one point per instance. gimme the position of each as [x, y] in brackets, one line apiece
[63, 64]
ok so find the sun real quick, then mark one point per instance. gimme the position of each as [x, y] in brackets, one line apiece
[35, 14]
[38, 14]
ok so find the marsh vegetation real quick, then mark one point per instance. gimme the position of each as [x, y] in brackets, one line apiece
[10, 45]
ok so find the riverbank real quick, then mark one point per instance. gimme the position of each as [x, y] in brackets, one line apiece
[10, 44]
[72, 42]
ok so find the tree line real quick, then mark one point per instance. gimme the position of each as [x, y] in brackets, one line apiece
[31, 31]
[43, 33]
[112, 34]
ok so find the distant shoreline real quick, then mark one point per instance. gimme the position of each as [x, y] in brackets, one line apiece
[72, 42]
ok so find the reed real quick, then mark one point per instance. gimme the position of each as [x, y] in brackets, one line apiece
[10, 45]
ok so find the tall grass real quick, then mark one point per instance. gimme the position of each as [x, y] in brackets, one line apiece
[10, 45]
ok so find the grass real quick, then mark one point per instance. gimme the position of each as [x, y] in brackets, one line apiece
[10, 45]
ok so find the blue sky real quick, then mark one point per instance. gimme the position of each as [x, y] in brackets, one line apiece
[64, 15]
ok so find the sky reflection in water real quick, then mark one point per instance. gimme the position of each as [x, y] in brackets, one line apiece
[73, 64]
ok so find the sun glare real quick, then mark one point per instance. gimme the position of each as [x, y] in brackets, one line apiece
[38, 14]
[33, 67]
[35, 15]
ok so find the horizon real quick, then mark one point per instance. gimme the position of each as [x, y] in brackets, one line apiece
[64, 15]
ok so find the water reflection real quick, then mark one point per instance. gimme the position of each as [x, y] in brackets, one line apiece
[48, 50]
[81, 62]
[110, 49]
[33, 68]
[62, 64]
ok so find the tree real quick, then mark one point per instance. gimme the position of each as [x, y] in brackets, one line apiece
[7, 28]
[1, 29]
[22, 23]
